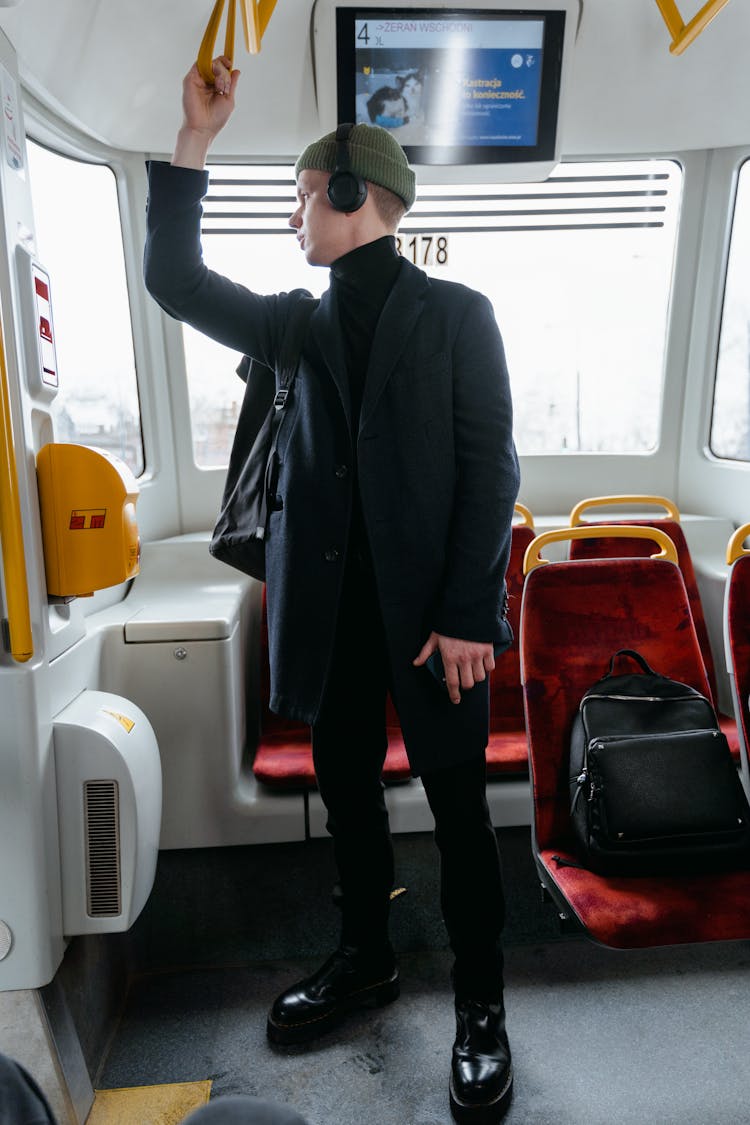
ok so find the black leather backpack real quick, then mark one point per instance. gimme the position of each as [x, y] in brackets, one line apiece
[652, 783]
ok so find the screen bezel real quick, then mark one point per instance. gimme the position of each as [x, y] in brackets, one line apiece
[545, 148]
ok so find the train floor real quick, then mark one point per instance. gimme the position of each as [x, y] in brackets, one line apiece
[660, 1036]
[599, 1037]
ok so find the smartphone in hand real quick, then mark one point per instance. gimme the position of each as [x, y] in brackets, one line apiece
[434, 662]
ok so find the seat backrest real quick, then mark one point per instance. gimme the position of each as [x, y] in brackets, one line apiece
[737, 634]
[632, 548]
[574, 616]
[506, 693]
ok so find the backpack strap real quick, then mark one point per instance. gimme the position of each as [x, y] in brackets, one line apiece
[291, 348]
[645, 666]
[286, 370]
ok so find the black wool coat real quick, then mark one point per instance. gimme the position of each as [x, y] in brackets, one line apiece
[436, 465]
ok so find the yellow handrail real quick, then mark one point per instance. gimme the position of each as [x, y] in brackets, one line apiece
[632, 501]
[683, 34]
[255, 17]
[735, 546]
[527, 519]
[11, 530]
[208, 42]
[532, 557]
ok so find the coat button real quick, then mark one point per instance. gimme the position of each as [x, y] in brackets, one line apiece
[331, 554]
[341, 471]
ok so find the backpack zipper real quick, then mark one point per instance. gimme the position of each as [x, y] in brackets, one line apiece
[644, 698]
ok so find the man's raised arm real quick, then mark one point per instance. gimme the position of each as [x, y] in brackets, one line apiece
[206, 110]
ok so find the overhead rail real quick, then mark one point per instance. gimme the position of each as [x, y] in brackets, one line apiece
[11, 530]
[682, 33]
[255, 17]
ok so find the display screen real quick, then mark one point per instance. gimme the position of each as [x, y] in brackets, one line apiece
[453, 86]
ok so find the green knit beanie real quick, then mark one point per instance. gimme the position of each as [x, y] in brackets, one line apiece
[373, 154]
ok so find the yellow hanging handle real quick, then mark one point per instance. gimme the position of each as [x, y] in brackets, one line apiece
[735, 546]
[682, 33]
[11, 530]
[667, 549]
[255, 17]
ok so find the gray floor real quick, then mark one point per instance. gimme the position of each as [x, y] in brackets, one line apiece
[599, 1038]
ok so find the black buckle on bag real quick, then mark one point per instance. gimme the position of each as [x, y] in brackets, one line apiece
[280, 400]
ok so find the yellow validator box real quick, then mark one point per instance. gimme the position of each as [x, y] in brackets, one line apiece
[89, 527]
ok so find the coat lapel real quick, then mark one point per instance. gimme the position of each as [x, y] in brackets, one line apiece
[400, 313]
[326, 332]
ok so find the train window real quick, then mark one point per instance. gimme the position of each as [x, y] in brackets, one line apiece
[730, 422]
[241, 201]
[79, 241]
[578, 269]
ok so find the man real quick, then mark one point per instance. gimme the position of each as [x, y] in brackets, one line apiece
[386, 550]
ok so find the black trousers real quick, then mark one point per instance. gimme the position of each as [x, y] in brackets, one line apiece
[349, 747]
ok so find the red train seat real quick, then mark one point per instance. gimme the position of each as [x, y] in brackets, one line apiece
[575, 615]
[602, 547]
[737, 637]
[507, 750]
[283, 758]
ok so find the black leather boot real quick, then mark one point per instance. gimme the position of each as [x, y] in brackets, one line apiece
[348, 979]
[481, 1082]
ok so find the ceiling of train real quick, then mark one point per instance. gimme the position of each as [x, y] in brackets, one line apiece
[116, 68]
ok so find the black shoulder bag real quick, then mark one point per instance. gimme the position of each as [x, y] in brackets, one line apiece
[239, 535]
[652, 783]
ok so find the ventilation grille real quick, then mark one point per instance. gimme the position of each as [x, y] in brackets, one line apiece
[102, 832]
[606, 195]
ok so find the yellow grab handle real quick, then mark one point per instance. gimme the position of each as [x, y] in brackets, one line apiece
[229, 34]
[255, 17]
[600, 501]
[265, 11]
[683, 34]
[526, 520]
[251, 25]
[11, 530]
[735, 545]
[206, 49]
[667, 550]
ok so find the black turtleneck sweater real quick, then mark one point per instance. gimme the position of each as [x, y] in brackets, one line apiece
[361, 281]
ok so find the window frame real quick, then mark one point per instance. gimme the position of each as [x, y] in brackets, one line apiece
[649, 470]
[186, 498]
[705, 482]
[158, 508]
[729, 239]
[118, 205]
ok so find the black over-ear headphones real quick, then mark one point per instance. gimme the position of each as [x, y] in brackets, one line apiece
[346, 190]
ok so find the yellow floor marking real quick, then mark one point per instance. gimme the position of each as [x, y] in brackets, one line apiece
[148, 1105]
